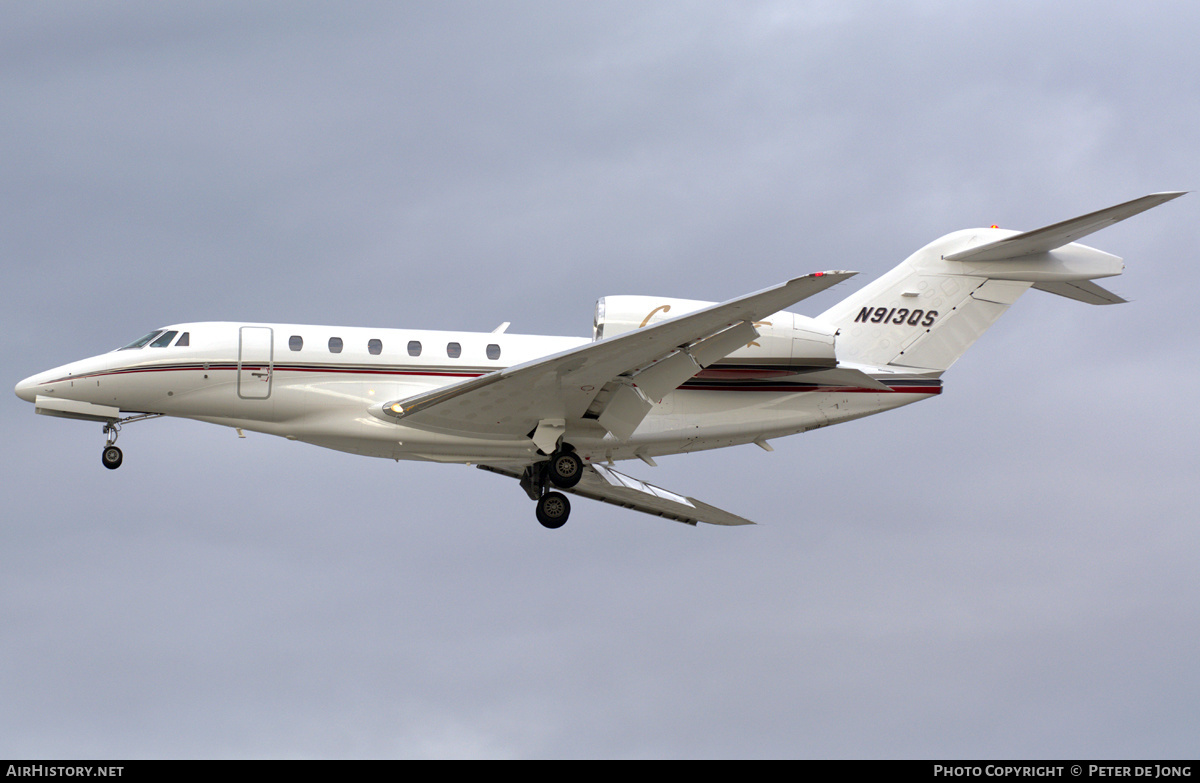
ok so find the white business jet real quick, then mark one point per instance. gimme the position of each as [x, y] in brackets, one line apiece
[659, 376]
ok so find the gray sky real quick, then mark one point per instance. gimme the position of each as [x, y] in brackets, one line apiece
[1008, 570]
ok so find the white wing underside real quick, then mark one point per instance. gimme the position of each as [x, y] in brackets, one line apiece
[602, 483]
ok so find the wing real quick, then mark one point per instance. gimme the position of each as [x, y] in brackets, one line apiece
[612, 381]
[608, 486]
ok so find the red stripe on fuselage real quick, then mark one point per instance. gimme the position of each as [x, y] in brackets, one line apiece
[745, 386]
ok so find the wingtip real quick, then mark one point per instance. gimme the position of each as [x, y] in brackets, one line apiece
[830, 278]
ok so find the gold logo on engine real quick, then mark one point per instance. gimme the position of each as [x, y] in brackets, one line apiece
[660, 308]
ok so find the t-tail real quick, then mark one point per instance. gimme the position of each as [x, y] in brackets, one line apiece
[929, 310]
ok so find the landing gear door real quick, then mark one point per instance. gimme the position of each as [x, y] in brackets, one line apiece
[255, 360]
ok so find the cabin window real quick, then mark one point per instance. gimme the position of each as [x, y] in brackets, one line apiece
[184, 340]
[414, 347]
[335, 345]
[493, 351]
[453, 350]
[164, 341]
[375, 347]
[295, 342]
[143, 342]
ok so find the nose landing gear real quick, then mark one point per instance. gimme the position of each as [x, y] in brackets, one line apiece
[111, 457]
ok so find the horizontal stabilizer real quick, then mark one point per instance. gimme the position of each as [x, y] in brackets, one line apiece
[1047, 238]
[1081, 291]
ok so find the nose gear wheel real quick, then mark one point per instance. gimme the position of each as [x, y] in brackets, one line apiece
[111, 457]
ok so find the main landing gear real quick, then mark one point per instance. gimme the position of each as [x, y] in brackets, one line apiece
[553, 508]
[564, 470]
[111, 457]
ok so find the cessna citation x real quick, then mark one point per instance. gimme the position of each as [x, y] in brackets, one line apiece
[659, 376]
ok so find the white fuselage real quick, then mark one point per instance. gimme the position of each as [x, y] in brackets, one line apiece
[260, 377]
[660, 376]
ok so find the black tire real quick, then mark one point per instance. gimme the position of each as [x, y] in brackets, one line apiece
[111, 457]
[553, 508]
[566, 469]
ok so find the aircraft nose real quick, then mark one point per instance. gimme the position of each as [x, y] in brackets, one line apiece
[27, 389]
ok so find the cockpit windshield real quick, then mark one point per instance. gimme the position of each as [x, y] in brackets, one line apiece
[160, 338]
[143, 342]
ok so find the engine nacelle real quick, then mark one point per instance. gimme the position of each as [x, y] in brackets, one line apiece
[786, 341]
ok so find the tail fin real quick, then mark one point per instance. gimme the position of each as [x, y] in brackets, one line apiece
[930, 309]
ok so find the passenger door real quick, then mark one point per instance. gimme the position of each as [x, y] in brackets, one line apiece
[255, 360]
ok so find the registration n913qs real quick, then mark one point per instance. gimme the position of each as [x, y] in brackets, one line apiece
[658, 377]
